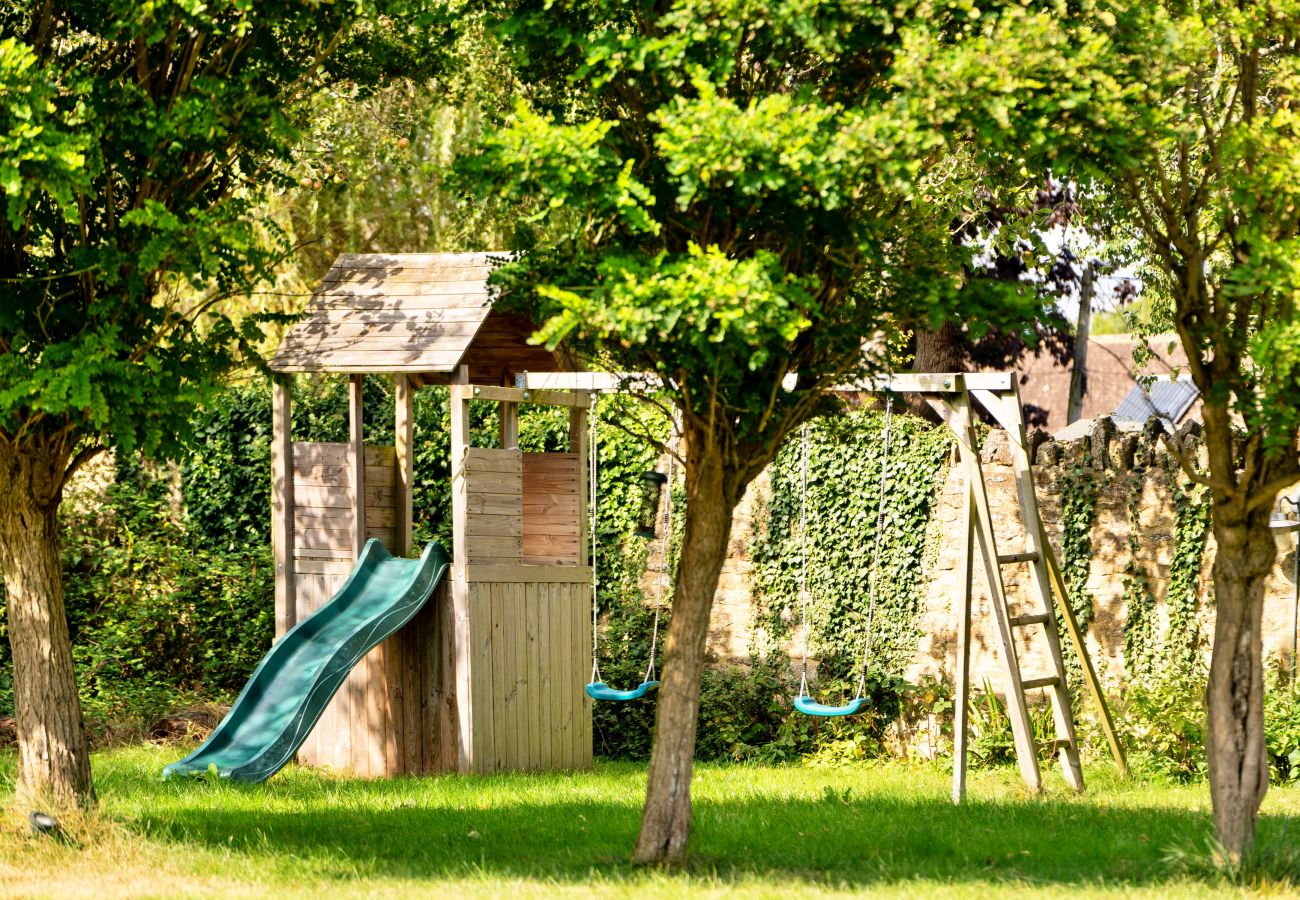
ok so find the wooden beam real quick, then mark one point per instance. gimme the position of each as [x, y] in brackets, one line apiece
[282, 503]
[460, 638]
[357, 461]
[935, 383]
[404, 441]
[903, 382]
[541, 398]
[528, 574]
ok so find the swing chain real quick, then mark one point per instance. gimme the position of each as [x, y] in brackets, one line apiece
[875, 553]
[663, 565]
[803, 553]
[592, 521]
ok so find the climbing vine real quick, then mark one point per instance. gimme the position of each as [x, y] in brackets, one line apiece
[1191, 527]
[1140, 625]
[845, 457]
[1078, 488]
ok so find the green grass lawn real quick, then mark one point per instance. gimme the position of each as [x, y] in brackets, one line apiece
[759, 831]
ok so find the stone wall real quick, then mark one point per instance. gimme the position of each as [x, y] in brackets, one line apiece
[1115, 477]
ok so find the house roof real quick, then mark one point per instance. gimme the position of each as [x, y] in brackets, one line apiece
[418, 313]
[1165, 398]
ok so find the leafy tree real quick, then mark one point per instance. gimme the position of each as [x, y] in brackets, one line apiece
[1193, 135]
[736, 192]
[136, 141]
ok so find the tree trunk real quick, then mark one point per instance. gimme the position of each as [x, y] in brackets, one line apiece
[666, 821]
[936, 351]
[1079, 371]
[53, 757]
[1237, 756]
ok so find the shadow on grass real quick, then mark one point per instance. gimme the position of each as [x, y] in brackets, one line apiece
[435, 828]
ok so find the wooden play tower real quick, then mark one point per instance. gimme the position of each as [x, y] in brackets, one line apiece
[489, 675]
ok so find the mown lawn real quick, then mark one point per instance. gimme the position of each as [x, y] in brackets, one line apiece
[760, 831]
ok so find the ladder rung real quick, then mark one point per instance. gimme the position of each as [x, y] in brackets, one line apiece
[1035, 619]
[1027, 556]
[1058, 744]
[1030, 684]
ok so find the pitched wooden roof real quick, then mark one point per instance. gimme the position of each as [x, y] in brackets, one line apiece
[423, 313]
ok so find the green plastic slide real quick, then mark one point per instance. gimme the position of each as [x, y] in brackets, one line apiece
[294, 681]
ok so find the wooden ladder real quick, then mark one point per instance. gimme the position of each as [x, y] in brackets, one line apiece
[1048, 591]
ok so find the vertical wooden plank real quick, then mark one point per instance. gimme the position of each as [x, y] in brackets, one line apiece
[523, 687]
[410, 712]
[499, 656]
[554, 644]
[487, 743]
[397, 651]
[404, 444]
[446, 713]
[460, 644]
[424, 658]
[582, 603]
[545, 683]
[282, 503]
[515, 733]
[509, 425]
[562, 594]
[375, 725]
[535, 691]
[579, 444]
[357, 462]
[308, 753]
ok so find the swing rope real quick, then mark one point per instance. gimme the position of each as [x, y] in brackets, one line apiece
[597, 689]
[803, 701]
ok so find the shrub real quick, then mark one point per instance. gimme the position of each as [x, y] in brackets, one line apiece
[1163, 720]
[154, 610]
[1282, 726]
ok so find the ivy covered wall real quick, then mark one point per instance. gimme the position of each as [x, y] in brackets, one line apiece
[845, 457]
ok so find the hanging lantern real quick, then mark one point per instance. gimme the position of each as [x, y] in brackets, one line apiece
[652, 488]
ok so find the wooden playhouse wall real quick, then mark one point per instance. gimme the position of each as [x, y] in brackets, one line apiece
[525, 638]
[395, 713]
[527, 605]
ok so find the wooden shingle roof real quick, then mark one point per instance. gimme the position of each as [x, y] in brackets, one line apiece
[422, 313]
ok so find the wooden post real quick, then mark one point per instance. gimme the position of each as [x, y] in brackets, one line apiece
[460, 435]
[961, 702]
[509, 416]
[404, 441]
[282, 502]
[357, 462]
[578, 444]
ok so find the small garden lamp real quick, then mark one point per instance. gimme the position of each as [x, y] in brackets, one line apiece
[652, 488]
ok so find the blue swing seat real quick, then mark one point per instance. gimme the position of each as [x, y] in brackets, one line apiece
[810, 707]
[598, 690]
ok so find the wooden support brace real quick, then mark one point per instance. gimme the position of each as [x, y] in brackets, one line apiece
[357, 461]
[404, 442]
[282, 503]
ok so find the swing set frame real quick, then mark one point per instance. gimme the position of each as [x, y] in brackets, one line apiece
[951, 396]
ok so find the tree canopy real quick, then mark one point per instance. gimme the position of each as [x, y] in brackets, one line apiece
[736, 193]
[137, 143]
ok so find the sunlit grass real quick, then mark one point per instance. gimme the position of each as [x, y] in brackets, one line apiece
[759, 831]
